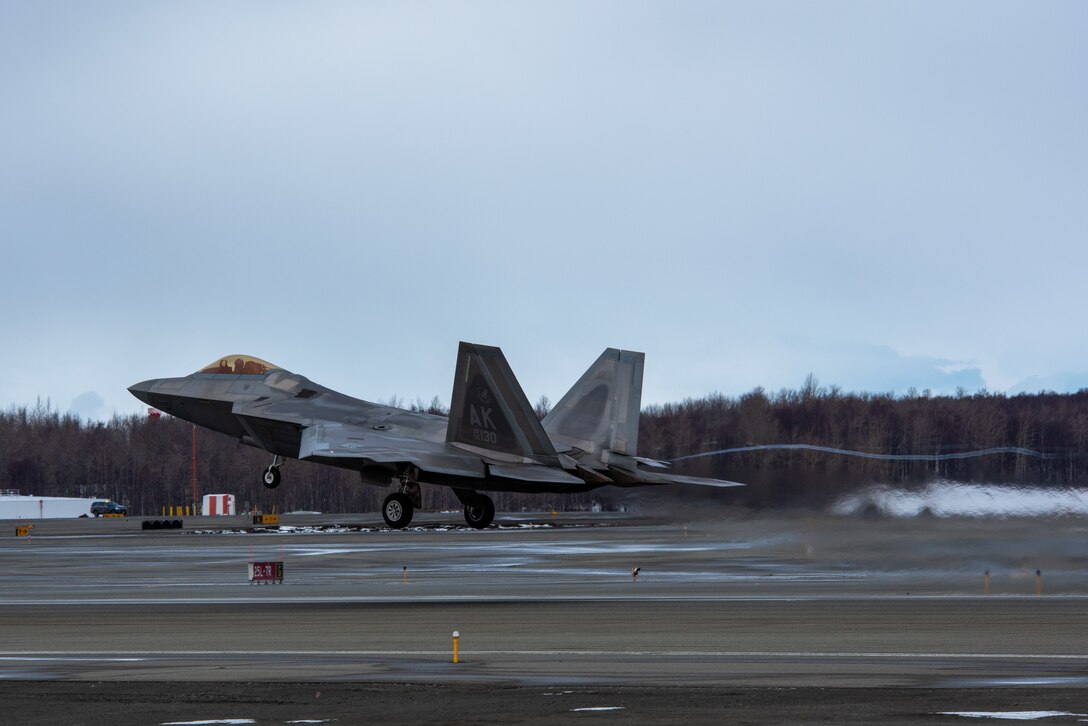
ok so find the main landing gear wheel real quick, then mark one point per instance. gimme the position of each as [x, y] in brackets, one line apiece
[271, 477]
[397, 510]
[481, 513]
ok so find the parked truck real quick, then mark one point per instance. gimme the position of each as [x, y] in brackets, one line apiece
[19, 506]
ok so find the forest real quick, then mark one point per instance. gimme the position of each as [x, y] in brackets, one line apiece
[146, 462]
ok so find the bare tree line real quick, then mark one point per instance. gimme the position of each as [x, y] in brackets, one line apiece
[147, 463]
[916, 423]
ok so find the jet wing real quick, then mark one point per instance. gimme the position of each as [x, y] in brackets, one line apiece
[342, 441]
[366, 445]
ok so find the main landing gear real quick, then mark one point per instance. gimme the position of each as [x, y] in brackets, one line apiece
[479, 509]
[398, 507]
[481, 513]
[271, 476]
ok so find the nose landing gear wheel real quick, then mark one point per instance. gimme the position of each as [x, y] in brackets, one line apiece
[397, 510]
[271, 477]
[481, 513]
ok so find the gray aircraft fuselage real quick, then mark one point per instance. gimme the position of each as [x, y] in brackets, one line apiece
[491, 441]
[270, 411]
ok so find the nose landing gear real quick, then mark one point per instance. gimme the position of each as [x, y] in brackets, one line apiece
[271, 476]
[398, 507]
[397, 510]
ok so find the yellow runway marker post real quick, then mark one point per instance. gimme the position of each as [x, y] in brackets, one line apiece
[456, 655]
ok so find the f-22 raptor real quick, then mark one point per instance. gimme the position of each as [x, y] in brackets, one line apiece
[491, 441]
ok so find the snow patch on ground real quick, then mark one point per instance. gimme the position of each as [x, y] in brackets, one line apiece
[944, 498]
[288, 529]
[599, 708]
[1011, 715]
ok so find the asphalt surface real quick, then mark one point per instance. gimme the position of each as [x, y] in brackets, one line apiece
[746, 618]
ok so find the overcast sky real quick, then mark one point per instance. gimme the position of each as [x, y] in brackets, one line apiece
[882, 194]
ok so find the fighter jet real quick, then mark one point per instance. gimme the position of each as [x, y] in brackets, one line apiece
[491, 441]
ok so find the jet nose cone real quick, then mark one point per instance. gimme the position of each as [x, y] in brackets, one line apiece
[142, 390]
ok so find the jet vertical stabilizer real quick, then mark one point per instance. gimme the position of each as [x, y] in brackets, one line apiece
[489, 411]
[600, 412]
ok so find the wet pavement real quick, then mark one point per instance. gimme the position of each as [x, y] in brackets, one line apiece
[764, 601]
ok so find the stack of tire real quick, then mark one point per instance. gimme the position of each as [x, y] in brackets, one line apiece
[161, 524]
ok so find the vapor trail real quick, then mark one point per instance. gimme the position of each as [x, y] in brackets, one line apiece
[883, 457]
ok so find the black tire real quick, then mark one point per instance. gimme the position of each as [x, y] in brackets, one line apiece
[397, 510]
[145, 525]
[271, 477]
[481, 513]
[176, 524]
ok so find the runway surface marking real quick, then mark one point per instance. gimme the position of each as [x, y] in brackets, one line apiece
[70, 658]
[268, 598]
[159, 654]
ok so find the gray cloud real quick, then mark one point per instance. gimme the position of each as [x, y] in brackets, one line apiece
[776, 362]
[88, 405]
[349, 189]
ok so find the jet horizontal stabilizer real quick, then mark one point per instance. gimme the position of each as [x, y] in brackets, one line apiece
[695, 480]
[626, 470]
[639, 477]
[631, 463]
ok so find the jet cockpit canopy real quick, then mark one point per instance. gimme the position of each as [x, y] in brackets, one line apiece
[235, 365]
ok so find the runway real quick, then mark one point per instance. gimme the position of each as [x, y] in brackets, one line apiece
[895, 642]
[762, 602]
